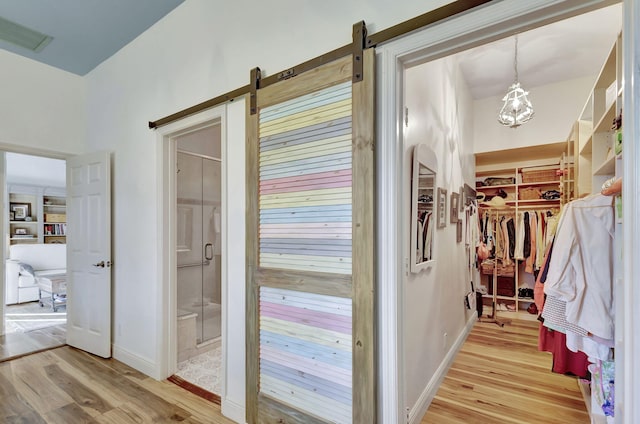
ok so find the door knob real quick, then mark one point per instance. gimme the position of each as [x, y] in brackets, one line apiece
[99, 264]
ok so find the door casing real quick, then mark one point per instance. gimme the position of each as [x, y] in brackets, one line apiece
[486, 24]
[167, 335]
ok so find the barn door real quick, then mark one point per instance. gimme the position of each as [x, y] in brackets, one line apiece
[310, 249]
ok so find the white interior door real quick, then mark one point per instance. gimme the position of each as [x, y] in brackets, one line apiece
[89, 253]
[5, 233]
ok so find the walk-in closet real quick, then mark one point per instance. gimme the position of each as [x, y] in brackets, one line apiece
[532, 181]
[550, 228]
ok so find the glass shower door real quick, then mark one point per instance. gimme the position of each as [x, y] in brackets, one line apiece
[212, 239]
[198, 243]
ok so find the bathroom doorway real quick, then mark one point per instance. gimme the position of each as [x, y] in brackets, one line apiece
[198, 254]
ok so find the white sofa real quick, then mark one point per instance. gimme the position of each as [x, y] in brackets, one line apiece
[45, 259]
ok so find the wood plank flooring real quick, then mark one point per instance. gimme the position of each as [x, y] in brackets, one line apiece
[66, 385]
[499, 376]
[15, 345]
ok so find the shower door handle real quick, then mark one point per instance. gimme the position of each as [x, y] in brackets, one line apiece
[208, 251]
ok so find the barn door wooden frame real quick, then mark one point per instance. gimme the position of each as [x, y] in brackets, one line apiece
[311, 245]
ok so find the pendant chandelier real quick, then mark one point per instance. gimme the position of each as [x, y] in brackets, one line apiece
[517, 108]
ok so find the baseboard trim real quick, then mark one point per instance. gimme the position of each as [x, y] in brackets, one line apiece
[233, 411]
[141, 364]
[420, 408]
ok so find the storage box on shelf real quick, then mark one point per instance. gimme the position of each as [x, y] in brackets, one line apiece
[540, 185]
[536, 175]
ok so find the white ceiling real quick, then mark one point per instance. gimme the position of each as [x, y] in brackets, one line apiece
[34, 170]
[568, 49]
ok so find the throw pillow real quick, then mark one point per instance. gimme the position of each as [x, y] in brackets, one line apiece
[26, 269]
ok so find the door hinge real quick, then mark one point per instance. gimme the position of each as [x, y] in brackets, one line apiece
[406, 117]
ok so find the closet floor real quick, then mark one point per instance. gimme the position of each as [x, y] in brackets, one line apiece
[499, 376]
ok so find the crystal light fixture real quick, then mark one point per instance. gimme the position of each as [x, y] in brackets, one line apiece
[517, 108]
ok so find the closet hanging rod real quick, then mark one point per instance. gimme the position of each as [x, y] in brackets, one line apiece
[428, 18]
[538, 207]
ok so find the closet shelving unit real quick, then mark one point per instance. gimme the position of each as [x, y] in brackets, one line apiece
[526, 179]
[567, 174]
[592, 135]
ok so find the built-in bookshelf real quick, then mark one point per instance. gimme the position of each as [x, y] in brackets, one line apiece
[36, 214]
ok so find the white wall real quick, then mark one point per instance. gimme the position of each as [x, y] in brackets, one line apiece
[556, 106]
[42, 108]
[35, 170]
[200, 50]
[434, 315]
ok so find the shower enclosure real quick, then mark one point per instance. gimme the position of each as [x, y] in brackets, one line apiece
[199, 239]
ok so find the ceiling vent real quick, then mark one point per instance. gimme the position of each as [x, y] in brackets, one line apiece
[22, 36]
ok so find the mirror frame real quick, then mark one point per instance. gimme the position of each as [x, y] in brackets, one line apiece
[423, 155]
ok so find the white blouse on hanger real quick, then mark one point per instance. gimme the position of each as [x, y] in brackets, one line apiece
[581, 266]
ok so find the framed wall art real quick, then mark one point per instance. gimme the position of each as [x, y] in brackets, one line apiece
[453, 213]
[21, 211]
[442, 207]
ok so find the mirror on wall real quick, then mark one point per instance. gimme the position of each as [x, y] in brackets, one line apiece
[423, 207]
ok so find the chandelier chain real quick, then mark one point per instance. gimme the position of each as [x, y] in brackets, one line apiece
[517, 108]
[515, 59]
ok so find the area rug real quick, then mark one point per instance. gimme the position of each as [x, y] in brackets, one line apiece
[30, 316]
[203, 370]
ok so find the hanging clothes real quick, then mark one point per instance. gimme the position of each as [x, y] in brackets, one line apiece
[511, 232]
[427, 236]
[552, 224]
[540, 239]
[581, 266]
[550, 340]
[564, 360]
[518, 253]
[530, 261]
[526, 249]
[506, 256]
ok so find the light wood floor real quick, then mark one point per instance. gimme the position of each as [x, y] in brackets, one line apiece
[499, 376]
[65, 385]
[15, 345]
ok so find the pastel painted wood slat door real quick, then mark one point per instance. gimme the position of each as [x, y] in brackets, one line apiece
[310, 249]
